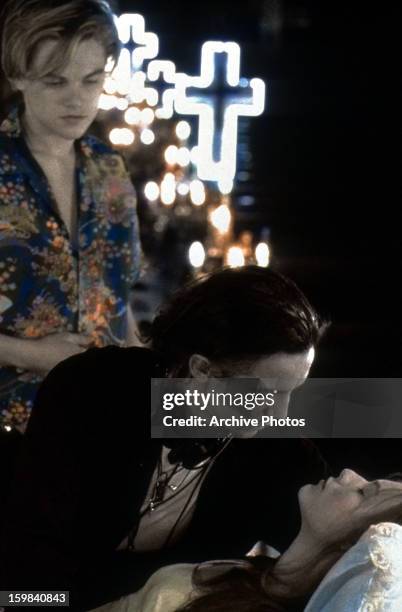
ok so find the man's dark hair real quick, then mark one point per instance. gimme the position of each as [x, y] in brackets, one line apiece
[236, 314]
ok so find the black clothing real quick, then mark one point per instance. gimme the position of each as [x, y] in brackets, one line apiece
[85, 465]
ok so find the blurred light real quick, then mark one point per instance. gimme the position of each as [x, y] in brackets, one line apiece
[171, 155]
[110, 86]
[114, 136]
[194, 155]
[107, 102]
[246, 200]
[225, 186]
[262, 254]
[122, 73]
[168, 189]
[132, 115]
[147, 137]
[7, 427]
[122, 104]
[235, 257]
[152, 191]
[121, 136]
[197, 192]
[183, 157]
[137, 90]
[183, 189]
[183, 130]
[152, 96]
[147, 116]
[220, 218]
[110, 64]
[196, 254]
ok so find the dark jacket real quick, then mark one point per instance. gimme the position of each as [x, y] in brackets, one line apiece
[85, 465]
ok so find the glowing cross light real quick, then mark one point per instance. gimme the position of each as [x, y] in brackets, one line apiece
[127, 78]
[219, 97]
[131, 28]
[162, 73]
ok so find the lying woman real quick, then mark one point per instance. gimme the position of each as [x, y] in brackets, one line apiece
[335, 513]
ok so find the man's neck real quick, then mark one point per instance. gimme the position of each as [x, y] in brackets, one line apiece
[47, 146]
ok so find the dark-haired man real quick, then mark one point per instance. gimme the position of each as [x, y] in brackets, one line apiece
[98, 505]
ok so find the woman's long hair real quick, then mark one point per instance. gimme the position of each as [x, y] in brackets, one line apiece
[240, 588]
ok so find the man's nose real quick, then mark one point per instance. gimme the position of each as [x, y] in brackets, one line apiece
[74, 97]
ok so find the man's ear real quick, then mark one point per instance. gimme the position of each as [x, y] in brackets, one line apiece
[199, 366]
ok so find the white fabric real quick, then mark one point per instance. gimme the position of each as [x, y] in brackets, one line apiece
[368, 578]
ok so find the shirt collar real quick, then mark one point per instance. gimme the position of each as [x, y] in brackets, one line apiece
[11, 128]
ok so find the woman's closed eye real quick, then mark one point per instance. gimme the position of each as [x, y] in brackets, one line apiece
[370, 489]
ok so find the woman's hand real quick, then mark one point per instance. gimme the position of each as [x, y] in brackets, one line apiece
[40, 355]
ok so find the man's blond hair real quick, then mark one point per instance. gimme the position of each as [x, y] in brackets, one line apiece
[28, 23]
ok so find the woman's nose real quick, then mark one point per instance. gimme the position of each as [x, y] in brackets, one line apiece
[347, 475]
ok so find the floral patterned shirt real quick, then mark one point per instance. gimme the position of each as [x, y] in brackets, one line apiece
[48, 284]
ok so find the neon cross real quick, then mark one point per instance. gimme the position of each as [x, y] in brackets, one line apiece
[131, 29]
[127, 78]
[162, 75]
[219, 97]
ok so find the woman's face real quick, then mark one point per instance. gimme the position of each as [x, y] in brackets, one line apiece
[65, 103]
[335, 507]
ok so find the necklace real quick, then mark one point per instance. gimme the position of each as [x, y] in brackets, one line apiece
[163, 480]
[164, 483]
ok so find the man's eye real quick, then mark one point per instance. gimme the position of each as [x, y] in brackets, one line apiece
[97, 82]
[53, 83]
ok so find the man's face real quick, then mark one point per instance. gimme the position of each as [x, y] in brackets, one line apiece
[282, 373]
[279, 374]
[64, 104]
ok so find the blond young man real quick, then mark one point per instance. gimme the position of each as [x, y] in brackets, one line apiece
[69, 244]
